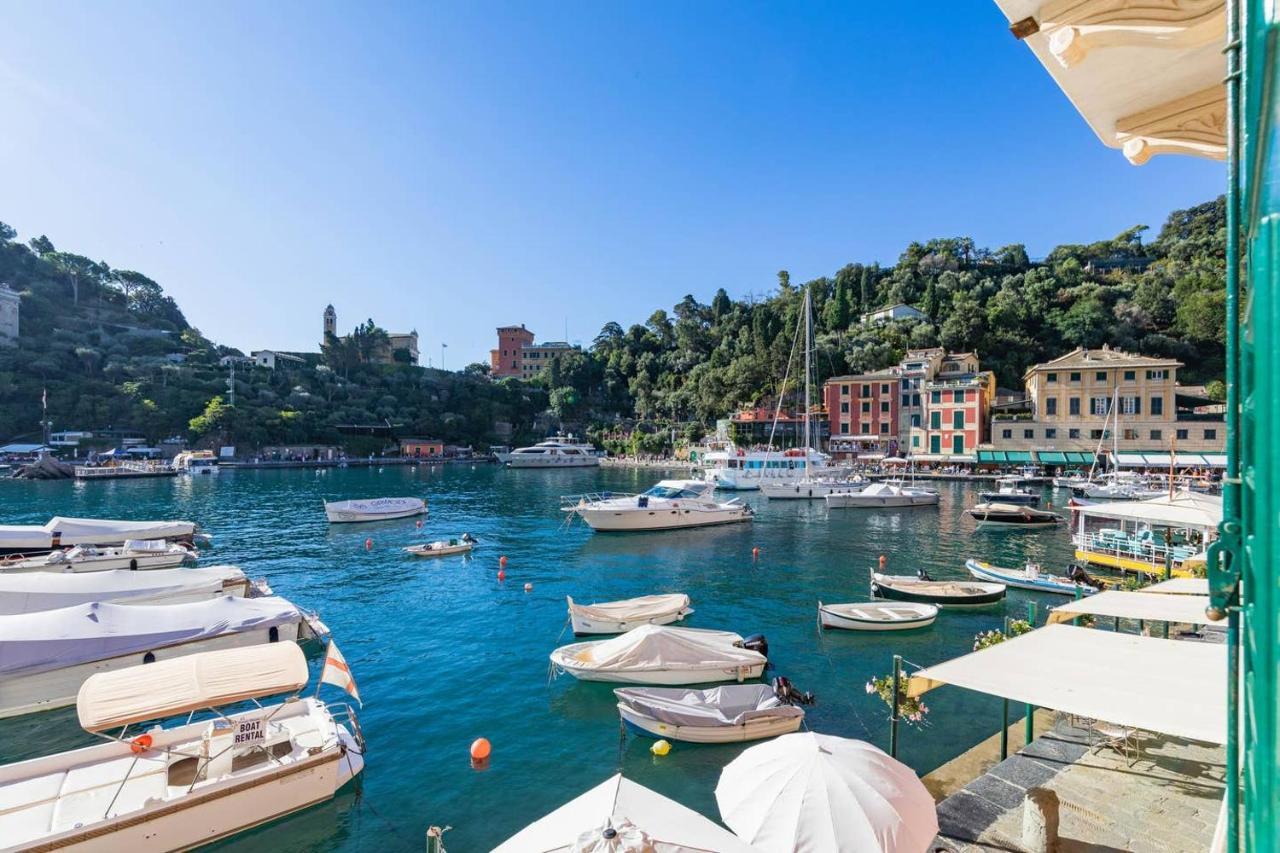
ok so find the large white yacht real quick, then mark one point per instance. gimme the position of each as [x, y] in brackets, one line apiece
[559, 451]
[670, 505]
[746, 470]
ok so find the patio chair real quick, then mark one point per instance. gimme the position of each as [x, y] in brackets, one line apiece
[1122, 740]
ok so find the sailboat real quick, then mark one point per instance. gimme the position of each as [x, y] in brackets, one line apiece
[1115, 485]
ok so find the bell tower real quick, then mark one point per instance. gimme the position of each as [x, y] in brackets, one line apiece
[330, 323]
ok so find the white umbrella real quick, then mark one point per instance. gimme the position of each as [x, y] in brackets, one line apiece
[619, 816]
[806, 792]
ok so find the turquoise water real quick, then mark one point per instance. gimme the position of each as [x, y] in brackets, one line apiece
[444, 653]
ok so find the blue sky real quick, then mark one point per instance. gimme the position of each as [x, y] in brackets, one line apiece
[454, 166]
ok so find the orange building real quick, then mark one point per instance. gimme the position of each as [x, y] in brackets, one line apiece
[508, 358]
[419, 448]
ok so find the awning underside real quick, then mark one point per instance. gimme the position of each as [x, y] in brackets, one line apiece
[1148, 606]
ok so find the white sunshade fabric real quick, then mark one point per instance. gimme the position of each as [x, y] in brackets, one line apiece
[120, 697]
[1148, 606]
[53, 639]
[727, 705]
[1215, 460]
[96, 531]
[660, 647]
[1130, 460]
[1168, 686]
[815, 793]
[32, 592]
[631, 809]
[633, 609]
[1180, 586]
[1185, 509]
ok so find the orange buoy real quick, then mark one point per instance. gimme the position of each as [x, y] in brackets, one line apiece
[502, 561]
[480, 749]
[368, 544]
[755, 553]
[502, 574]
[140, 744]
[883, 561]
[528, 587]
[419, 524]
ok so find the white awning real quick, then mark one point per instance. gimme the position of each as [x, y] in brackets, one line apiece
[1185, 509]
[1180, 586]
[1130, 460]
[1170, 686]
[1215, 460]
[1149, 606]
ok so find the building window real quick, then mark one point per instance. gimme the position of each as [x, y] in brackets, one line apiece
[957, 419]
[844, 427]
[915, 441]
[1156, 435]
[957, 444]
[906, 401]
[1100, 376]
[935, 397]
[1095, 434]
[1131, 405]
[915, 420]
[1099, 405]
[1130, 375]
[957, 396]
[844, 407]
[844, 390]
[884, 405]
[866, 408]
[1050, 433]
[866, 390]
[1007, 433]
[884, 388]
[1130, 435]
[915, 399]
[1210, 435]
[1073, 433]
[1051, 377]
[935, 420]
[866, 428]
[1157, 406]
[1028, 433]
[1157, 374]
[1075, 376]
[1051, 406]
[1182, 435]
[884, 428]
[1073, 406]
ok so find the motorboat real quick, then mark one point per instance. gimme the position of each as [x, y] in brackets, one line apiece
[133, 555]
[885, 493]
[559, 451]
[618, 617]
[877, 616]
[63, 532]
[1012, 515]
[1010, 491]
[1118, 490]
[944, 593]
[197, 463]
[738, 469]
[660, 654]
[34, 592]
[183, 787]
[669, 505]
[46, 656]
[1071, 481]
[1033, 578]
[810, 488]
[730, 713]
[444, 547]
[374, 509]
[620, 815]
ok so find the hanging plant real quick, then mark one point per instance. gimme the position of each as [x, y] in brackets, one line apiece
[986, 639]
[910, 709]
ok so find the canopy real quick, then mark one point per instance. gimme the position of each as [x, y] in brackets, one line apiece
[728, 705]
[119, 697]
[631, 809]
[101, 531]
[53, 639]
[633, 609]
[1168, 686]
[1184, 509]
[31, 592]
[1051, 457]
[813, 793]
[1151, 606]
[1180, 586]
[1162, 459]
[663, 647]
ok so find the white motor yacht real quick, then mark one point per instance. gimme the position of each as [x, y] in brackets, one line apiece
[810, 488]
[556, 452]
[670, 505]
[134, 555]
[1009, 490]
[882, 494]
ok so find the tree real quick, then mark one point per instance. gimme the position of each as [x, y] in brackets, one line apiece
[477, 368]
[721, 305]
[42, 246]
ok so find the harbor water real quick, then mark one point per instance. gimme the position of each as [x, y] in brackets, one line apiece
[444, 652]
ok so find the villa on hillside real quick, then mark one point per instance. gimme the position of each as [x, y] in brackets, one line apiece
[517, 355]
[401, 347]
[893, 312]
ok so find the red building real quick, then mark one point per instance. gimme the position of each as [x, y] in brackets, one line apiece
[862, 413]
[507, 359]
[956, 418]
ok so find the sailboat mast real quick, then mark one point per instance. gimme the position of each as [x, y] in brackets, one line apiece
[808, 375]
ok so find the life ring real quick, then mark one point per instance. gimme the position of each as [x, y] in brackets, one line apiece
[140, 744]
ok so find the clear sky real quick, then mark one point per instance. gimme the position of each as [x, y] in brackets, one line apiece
[454, 166]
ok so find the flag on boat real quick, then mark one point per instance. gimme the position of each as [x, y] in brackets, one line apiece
[337, 673]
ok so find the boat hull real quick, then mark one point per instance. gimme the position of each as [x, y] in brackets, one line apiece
[986, 572]
[1021, 500]
[447, 551]
[751, 730]
[635, 520]
[349, 517]
[903, 592]
[583, 625]
[800, 491]
[857, 501]
[139, 561]
[846, 621]
[519, 460]
[665, 677]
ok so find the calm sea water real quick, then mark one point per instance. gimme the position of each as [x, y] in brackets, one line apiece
[444, 653]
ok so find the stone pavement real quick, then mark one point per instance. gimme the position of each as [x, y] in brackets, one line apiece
[1167, 802]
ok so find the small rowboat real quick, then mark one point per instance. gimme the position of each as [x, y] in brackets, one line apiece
[1013, 515]
[731, 713]
[377, 509]
[442, 548]
[877, 616]
[1028, 578]
[618, 617]
[951, 593]
[660, 654]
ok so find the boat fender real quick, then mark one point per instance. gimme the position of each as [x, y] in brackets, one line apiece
[642, 501]
[133, 564]
[756, 643]
[661, 747]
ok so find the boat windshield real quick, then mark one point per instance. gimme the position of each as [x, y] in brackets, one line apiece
[673, 493]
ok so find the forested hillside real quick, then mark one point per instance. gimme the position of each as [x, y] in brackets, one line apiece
[113, 350]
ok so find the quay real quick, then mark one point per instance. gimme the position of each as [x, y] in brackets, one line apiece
[252, 464]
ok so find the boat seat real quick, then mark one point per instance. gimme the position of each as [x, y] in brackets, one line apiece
[88, 790]
[26, 807]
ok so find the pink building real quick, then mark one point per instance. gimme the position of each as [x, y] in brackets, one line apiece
[862, 413]
[507, 359]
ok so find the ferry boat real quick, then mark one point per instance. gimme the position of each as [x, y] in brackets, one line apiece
[197, 463]
[560, 451]
[669, 505]
[736, 469]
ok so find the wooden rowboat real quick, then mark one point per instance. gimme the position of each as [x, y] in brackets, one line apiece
[877, 616]
[442, 548]
[945, 593]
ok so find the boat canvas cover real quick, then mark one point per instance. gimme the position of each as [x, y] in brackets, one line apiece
[658, 647]
[31, 592]
[634, 609]
[207, 680]
[670, 827]
[1173, 687]
[54, 639]
[102, 531]
[728, 705]
[377, 506]
[25, 537]
[1148, 606]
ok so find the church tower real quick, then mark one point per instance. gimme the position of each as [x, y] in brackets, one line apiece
[330, 323]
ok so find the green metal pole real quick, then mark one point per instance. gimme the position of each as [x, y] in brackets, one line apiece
[1233, 706]
[1030, 732]
[1079, 595]
[1004, 731]
[893, 719]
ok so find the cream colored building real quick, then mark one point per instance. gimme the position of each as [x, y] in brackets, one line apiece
[1071, 400]
[9, 307]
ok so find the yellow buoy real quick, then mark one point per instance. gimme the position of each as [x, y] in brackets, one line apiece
[661, 747]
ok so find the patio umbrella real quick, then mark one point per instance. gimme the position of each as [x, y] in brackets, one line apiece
[806, 792]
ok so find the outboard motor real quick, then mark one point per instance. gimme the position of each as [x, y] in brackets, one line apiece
[1078, 574]
[756, 643]
[788, 694]
[922, 574]
[469, 539]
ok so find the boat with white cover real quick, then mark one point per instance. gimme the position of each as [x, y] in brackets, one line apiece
[877, 616]
[46, 656]
[944, 593]
[134, 555]
[373, 509]
[1009, 490]
[618, 617]
[730, 713]
[1032, 578]
[443, 547]
[619, 815]
[1012, 515]
[659, 654]
[33, 592]
[811, 488]
[882, 495]
[669, 505]
[183, 787]
[561, 451]
[62, 532]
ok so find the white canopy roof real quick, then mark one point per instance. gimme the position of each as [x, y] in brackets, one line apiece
[814, 793]
[53, 639]
[1185, 509]
[661, 647]
[1180, 586]
[31, 592]
[1169, 686]
[633, 609]
[206, 680]
[670, 827]
[1151, 606]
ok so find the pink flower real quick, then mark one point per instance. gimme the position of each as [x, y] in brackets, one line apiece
[871, 688]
